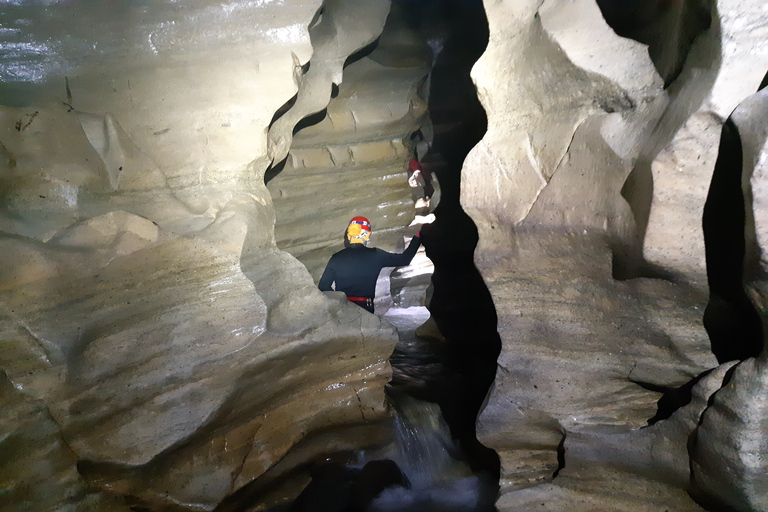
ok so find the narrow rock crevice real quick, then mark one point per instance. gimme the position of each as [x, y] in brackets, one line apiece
[672, 398]
[560, 456]
[733, 324]
[461, 305]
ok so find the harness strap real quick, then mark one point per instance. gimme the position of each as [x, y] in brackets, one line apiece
[367, 300]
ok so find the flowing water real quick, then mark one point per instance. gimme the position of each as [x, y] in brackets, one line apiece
[431, 461]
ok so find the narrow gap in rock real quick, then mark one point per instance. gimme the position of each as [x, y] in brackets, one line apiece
[733, 324]
[763, 83]
[362, 52]
[274, 170]
[310, 120]
[452, 362]
[560, 456]
[672, 398]
[283, 109]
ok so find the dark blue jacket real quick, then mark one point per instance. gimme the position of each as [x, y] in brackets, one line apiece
[356, 268]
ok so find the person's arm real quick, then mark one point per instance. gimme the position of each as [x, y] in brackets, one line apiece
[328, 277]
[398, 260]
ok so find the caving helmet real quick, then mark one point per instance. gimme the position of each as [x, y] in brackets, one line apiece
[358, 231]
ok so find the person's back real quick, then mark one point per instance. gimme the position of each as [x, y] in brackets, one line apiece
[355, 269]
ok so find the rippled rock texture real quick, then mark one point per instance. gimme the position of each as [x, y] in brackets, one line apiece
[160, 350]
[173, 177]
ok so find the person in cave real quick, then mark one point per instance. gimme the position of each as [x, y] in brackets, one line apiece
[355, 269]
[420, 183]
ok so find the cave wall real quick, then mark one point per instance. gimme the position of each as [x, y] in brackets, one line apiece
[156, 341]
[588, 192]
[359, 142]
[161, 336]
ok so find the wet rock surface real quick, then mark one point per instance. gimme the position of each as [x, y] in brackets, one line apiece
[166, 208]
[146, 309]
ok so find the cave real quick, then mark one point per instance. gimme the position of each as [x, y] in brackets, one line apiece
[582, 327]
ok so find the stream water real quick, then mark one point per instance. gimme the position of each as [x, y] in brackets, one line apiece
[426, 467]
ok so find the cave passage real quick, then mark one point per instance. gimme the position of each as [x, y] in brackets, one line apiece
[456, 372]
[461, 304]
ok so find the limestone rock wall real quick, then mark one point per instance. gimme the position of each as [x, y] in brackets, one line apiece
[162, 341]
[149, 321]
[588, 191]
[353, 159]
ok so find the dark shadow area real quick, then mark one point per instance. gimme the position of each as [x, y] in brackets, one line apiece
[560, 457]
[310, 120]
[667, 27]
[274, 170]
[764, 83]
[455, 373]
[288, 105]
[673, 398]
[362, 52]
[733, 324]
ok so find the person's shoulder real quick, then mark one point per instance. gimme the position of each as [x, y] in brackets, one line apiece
[352, 250]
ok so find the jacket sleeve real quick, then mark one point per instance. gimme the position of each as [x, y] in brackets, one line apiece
[389, 259]
[328, 277]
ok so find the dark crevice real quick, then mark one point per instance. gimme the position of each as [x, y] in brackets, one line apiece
[764, 83]
[560, 456]
[310, 120]
[362, 52]
[733, 324]
[672, 398]
[274, 170]
[461, 303]
[288, 105]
